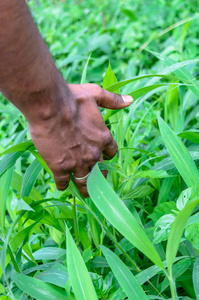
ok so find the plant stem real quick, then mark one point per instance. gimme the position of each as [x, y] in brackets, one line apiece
[173, 287]
[75, 221]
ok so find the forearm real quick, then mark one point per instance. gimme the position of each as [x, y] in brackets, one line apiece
[28, 76]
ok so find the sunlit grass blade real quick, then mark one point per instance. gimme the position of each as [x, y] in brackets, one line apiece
[16, 184]
[196, 278]
[83, 79]
[155, 77]
[180, 155]
[126, 279]
[5, 181]
[177, 229]
[19, 147]
[79, 277]
[161, 33]
[30, 177]
[182, 73]
[117, 85]
[146, 89]
[42, 162]
[38, 289]
[118, 215]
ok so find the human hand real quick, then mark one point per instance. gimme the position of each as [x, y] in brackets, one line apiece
[75, 138]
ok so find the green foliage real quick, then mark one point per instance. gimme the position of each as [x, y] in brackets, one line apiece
[137, 235]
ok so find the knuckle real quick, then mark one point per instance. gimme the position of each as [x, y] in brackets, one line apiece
[81, 98]
[107, 139]
[95, 87]
[67, 166]
[116, 100]
[95, 154]
[62, 166]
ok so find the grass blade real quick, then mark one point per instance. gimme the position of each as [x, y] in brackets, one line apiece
[10, 158]
[16, 183]
[126, 279]
[117, 85]
[177, 229]
[83, 79]
[30, 177]
[110, 205]
[5, 181]
[38, 289]
[182, 73]
[79, 277]
[19, 147]
[180, 155]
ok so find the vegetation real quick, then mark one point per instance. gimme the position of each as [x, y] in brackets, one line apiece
[137, 236]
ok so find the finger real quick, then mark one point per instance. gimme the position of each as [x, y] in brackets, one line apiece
[62, 182]
[113, 101]
[80, 179]
[110, 150]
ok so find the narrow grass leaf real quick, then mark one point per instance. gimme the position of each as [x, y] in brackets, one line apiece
[19, 147]
[20, 236]
[5, 181]
[180, 155]
[10, 158]
[147, 274]
[30, 177]
[16, 184]
[196, 278]
[111, 206]
[171, 105]
[182, 73]
[161, 33]
[177, 229]
[190, 135]
[6, 172]
[42, 162]
[109, 79]
[38, 289]
[126, 279]
[115, 86]
[79, 277]
[137, 93]
[83, 79]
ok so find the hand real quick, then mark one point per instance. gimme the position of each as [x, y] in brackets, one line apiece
[75, 138]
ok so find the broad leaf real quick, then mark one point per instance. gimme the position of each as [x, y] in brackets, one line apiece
[118, 215]
[126, 279]
[38, 289]
[79, 277]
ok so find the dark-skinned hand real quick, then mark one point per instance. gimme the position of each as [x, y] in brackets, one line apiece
[75, 141]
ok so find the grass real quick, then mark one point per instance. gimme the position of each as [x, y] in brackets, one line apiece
[136, 237]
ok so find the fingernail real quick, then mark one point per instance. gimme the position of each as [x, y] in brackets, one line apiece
[127, 99]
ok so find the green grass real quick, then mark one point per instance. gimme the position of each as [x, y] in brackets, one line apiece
[137, 236]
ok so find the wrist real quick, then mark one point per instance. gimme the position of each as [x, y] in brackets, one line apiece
[47, 102]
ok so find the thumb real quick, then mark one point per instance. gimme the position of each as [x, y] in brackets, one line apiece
[113, 101]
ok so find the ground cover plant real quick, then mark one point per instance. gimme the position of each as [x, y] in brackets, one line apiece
[137, 236]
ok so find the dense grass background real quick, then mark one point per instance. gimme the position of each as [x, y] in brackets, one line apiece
[145, 217]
